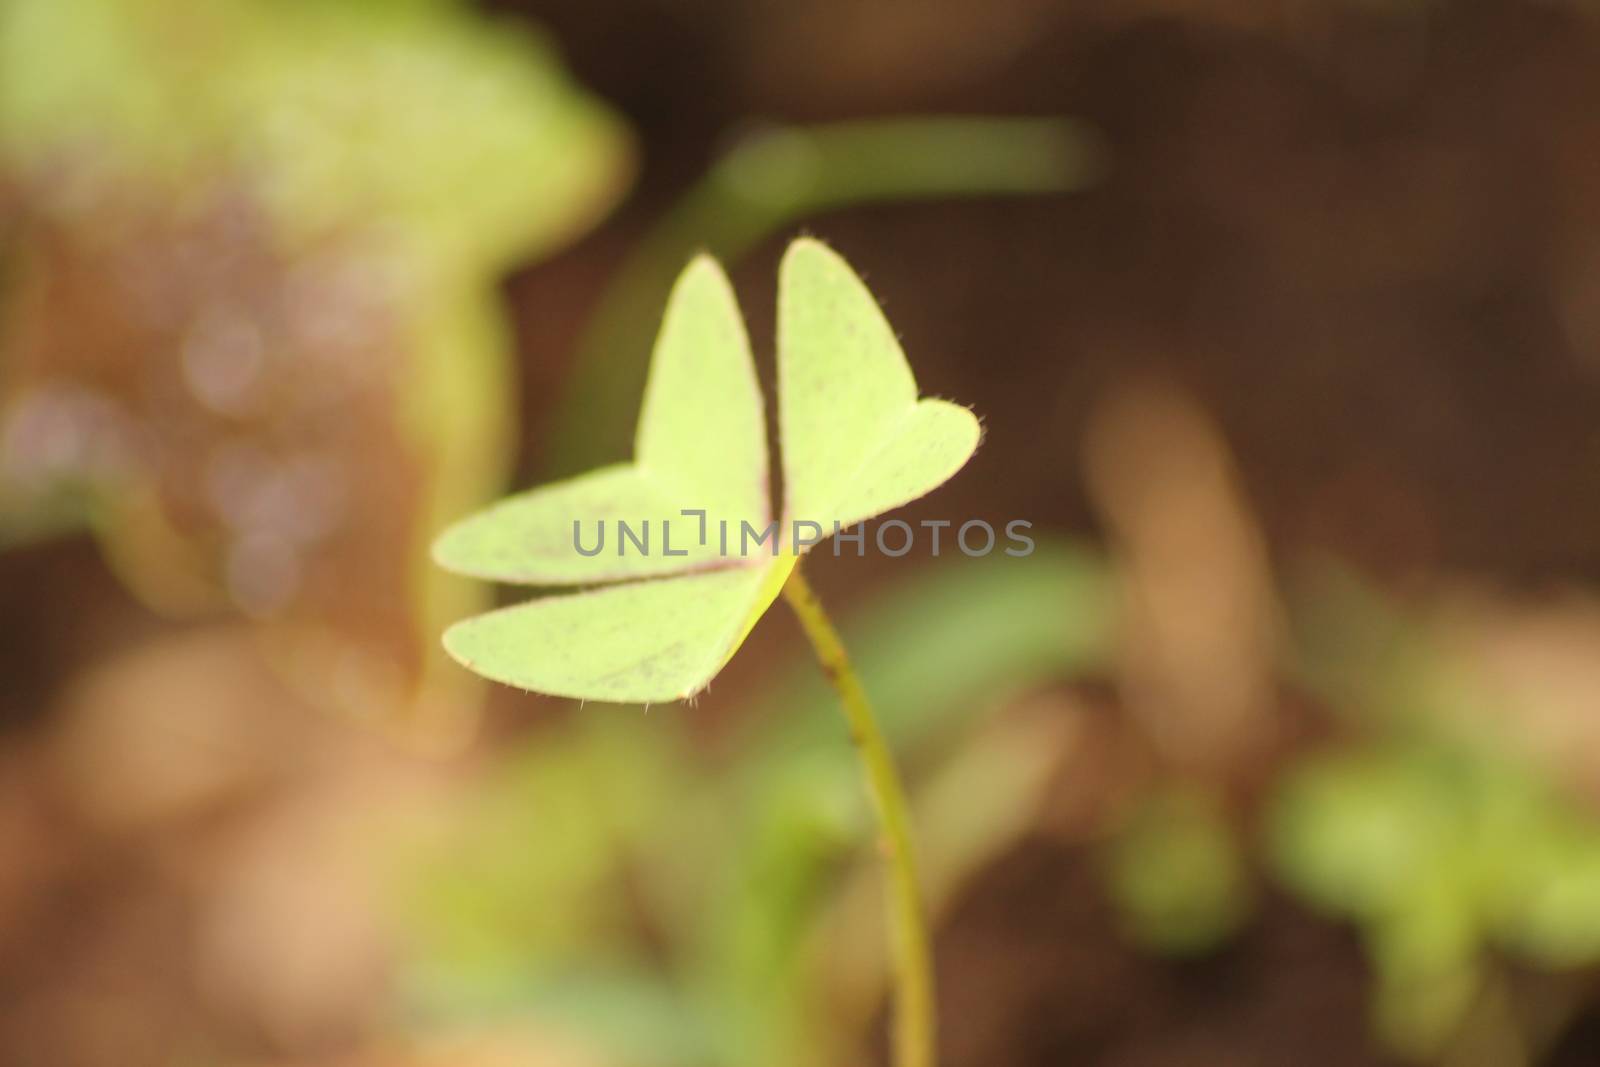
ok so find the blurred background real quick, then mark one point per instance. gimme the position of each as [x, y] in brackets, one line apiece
[1284, 322]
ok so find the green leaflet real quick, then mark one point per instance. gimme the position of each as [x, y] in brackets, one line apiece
[639, 643]
[857, 442]
[701, 444]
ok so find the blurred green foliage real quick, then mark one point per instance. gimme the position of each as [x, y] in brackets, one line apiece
[1427, 827]
[1177, 872]
[415, 147]
[1444, 855]
[458, 138]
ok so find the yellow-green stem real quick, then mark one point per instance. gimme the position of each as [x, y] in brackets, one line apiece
[914, 1020]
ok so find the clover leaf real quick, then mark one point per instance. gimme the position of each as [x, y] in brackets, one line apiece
[856, 442]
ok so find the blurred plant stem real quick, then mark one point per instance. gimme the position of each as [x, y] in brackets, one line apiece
[765, 182]
[915, 1025]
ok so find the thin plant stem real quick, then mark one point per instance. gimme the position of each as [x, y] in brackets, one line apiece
[912, 956]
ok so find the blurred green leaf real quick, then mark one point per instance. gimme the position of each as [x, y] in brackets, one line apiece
[1428, 974]
[631, 1017]
[458, 138]
[1438, 850]
[770, 179]
[530, 878]
[1357, 833]
[945, 644]
[1553, 917]
[1177, 874]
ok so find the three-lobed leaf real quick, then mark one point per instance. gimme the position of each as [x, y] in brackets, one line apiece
[856, 440]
